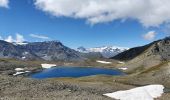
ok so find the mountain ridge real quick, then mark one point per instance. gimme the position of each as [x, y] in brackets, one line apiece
[48, 50]
[106, 51]
[147, 57]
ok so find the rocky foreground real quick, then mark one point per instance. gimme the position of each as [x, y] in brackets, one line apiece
[19, 88]
[87, 88]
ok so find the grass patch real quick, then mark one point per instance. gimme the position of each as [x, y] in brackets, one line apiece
[154, 68]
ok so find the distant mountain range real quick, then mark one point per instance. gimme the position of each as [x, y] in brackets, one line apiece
[54, 51]
[50, 50]
[106, 51]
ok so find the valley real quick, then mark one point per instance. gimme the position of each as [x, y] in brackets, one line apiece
[84, 50]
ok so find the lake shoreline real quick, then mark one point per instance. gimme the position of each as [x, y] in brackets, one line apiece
[89, 87]
[75, 72]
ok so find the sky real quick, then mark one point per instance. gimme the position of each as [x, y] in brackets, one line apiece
[88, 23]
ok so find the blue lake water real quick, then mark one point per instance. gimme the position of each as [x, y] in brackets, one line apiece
[57, 72]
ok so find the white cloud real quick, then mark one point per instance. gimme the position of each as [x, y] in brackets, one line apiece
[19, 38]
[150, 35]
[39, 36]
[147, 12]
[4, 3]
[9, 39]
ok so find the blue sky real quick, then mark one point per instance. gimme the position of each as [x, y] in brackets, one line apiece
[25, 18]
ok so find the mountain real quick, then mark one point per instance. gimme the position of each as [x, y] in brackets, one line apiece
[150, 56]
[9, 50]
[131, 53]
[148, 64]
[50, 50]
[106, 51]
[150, 49]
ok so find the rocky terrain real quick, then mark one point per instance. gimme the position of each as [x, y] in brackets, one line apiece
[148, 56]
[18, 88]
[148, 64]
[21, 89]
[50, 51]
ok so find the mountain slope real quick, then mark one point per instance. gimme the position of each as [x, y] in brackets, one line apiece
[160, 47]
[52, 50]
[151, 66]
[9, 50]
[142, 58]
[131, 53]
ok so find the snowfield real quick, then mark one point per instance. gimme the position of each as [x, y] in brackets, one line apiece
[140, 93]
[103, 62]
[48, 65]
[123, 68]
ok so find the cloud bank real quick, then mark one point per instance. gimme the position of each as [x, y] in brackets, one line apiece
[147, 12]
[4, 3]
[39, 36]
[19, 38]
[150, 35]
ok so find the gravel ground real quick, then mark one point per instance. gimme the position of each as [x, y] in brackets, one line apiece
[26, 89]
[18, 88]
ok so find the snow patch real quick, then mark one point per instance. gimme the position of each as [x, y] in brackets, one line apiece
[25, 53]
[103, 62]
[23, 58]
[140, 93]
[19, 69]
[20, 43]
[121, 62]
[123, 68]
[48, 65]
[18, 73]
[27, 71]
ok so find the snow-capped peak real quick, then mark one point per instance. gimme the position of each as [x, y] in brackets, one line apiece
[107, 48]
[106, 51]
[20, 43]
